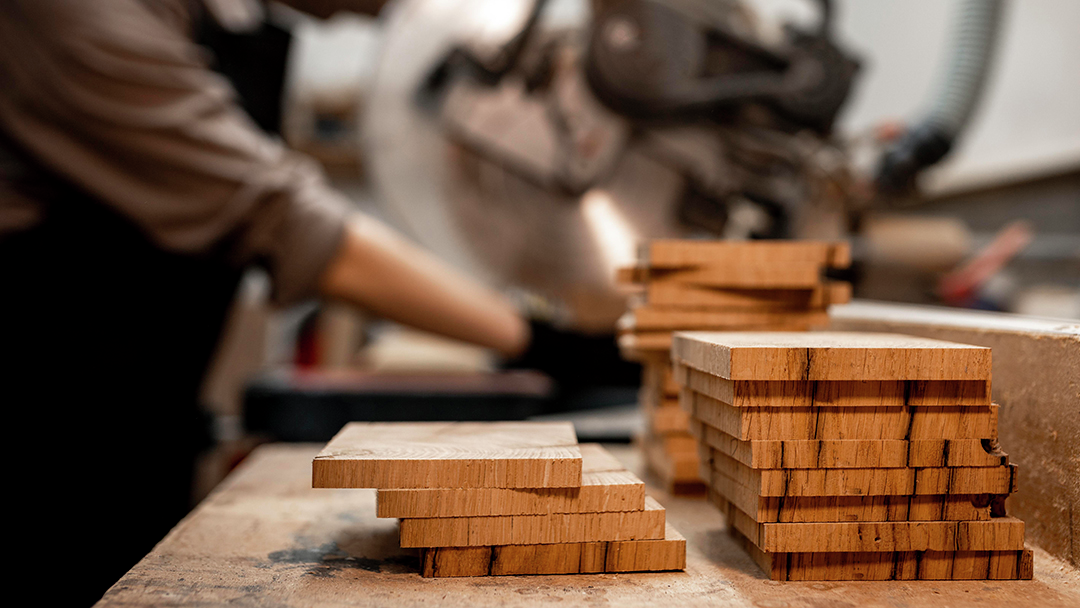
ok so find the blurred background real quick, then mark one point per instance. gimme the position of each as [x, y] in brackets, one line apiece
[535, 144]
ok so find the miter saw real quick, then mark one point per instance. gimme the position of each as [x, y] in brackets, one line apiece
[535, 143]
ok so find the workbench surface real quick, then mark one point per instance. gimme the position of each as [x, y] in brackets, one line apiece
[265, 538]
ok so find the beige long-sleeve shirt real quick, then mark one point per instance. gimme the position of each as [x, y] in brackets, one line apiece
[114, 96]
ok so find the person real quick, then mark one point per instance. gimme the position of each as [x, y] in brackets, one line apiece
[134, 191]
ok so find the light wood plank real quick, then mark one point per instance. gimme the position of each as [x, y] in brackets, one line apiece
[649, 318]
[851, 453]
[864, 482]
[535, 529]
[450, 455]
[605, 486]
[843, 423]
[804, 393]
[998, 534]
[829, 356]
[658, 555]
[753, 297]
[752, 257]
[885, 566]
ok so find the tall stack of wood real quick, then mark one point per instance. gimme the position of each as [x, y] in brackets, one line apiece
[503, 498]
[715, 285]
[848, 456]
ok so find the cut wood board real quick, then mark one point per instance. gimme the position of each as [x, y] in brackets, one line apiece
[606, 485]
[885, 566]
[535, 529]
[658, 555]
[851, 453]
[658, 379]
[843, 423]
[678, 294]
[829, 356]
[678, 472]
[808, 393]
[997, 534]
[668, 419]
[450, 455]
[864, 482]
[798, 509]
[649, 318]
[743, 256]
[788, 509]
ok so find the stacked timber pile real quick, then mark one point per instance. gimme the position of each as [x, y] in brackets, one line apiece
[848, 456]
[715, 285]
[503, 498]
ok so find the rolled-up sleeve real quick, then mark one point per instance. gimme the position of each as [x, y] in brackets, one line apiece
[118, 100]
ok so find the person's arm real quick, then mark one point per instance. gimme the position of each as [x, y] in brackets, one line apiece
[118, 101]
[379, 270]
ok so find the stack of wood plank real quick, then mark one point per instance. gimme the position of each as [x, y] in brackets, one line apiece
[849, 456]
[715, 285]
[503, 498]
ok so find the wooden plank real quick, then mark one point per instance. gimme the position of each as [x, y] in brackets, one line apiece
[744, 256]
[793, 509]
[807, 393]
[843, 423]
[678, 294]
[534, 529]
[631, 275]
[865, 482]
[668, 419]
[886, 566]
[997, 534]
[605, 486]
[678, 473]
[651, 318]
[657, 379]
[851, 453]
[660, 555]
[725, 276]
[450, 455]
[829, 356]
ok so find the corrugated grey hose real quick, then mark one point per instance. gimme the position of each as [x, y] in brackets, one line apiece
[928, 141]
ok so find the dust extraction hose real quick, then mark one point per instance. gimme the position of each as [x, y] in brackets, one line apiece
[928, 141]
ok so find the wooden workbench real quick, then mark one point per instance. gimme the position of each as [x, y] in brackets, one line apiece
[265, 538]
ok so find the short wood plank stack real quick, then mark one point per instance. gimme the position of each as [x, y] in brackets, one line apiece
[503, 498]
[715, 285]
[848, 456]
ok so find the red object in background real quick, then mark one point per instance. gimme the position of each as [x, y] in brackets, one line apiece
[307, 343]
[960, 286]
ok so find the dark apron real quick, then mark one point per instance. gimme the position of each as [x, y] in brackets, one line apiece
[106, 340]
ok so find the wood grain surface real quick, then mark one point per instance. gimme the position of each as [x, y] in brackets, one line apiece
[997, 534]
[266, 538]
[450, 455]
[851, 453]
[656, 555]
[864, 482]
[843, 423]
[753, 256]
[748, 299]
[888, 566]
[851, 393]
[829, 356]
[535, 529]
[605, 486]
